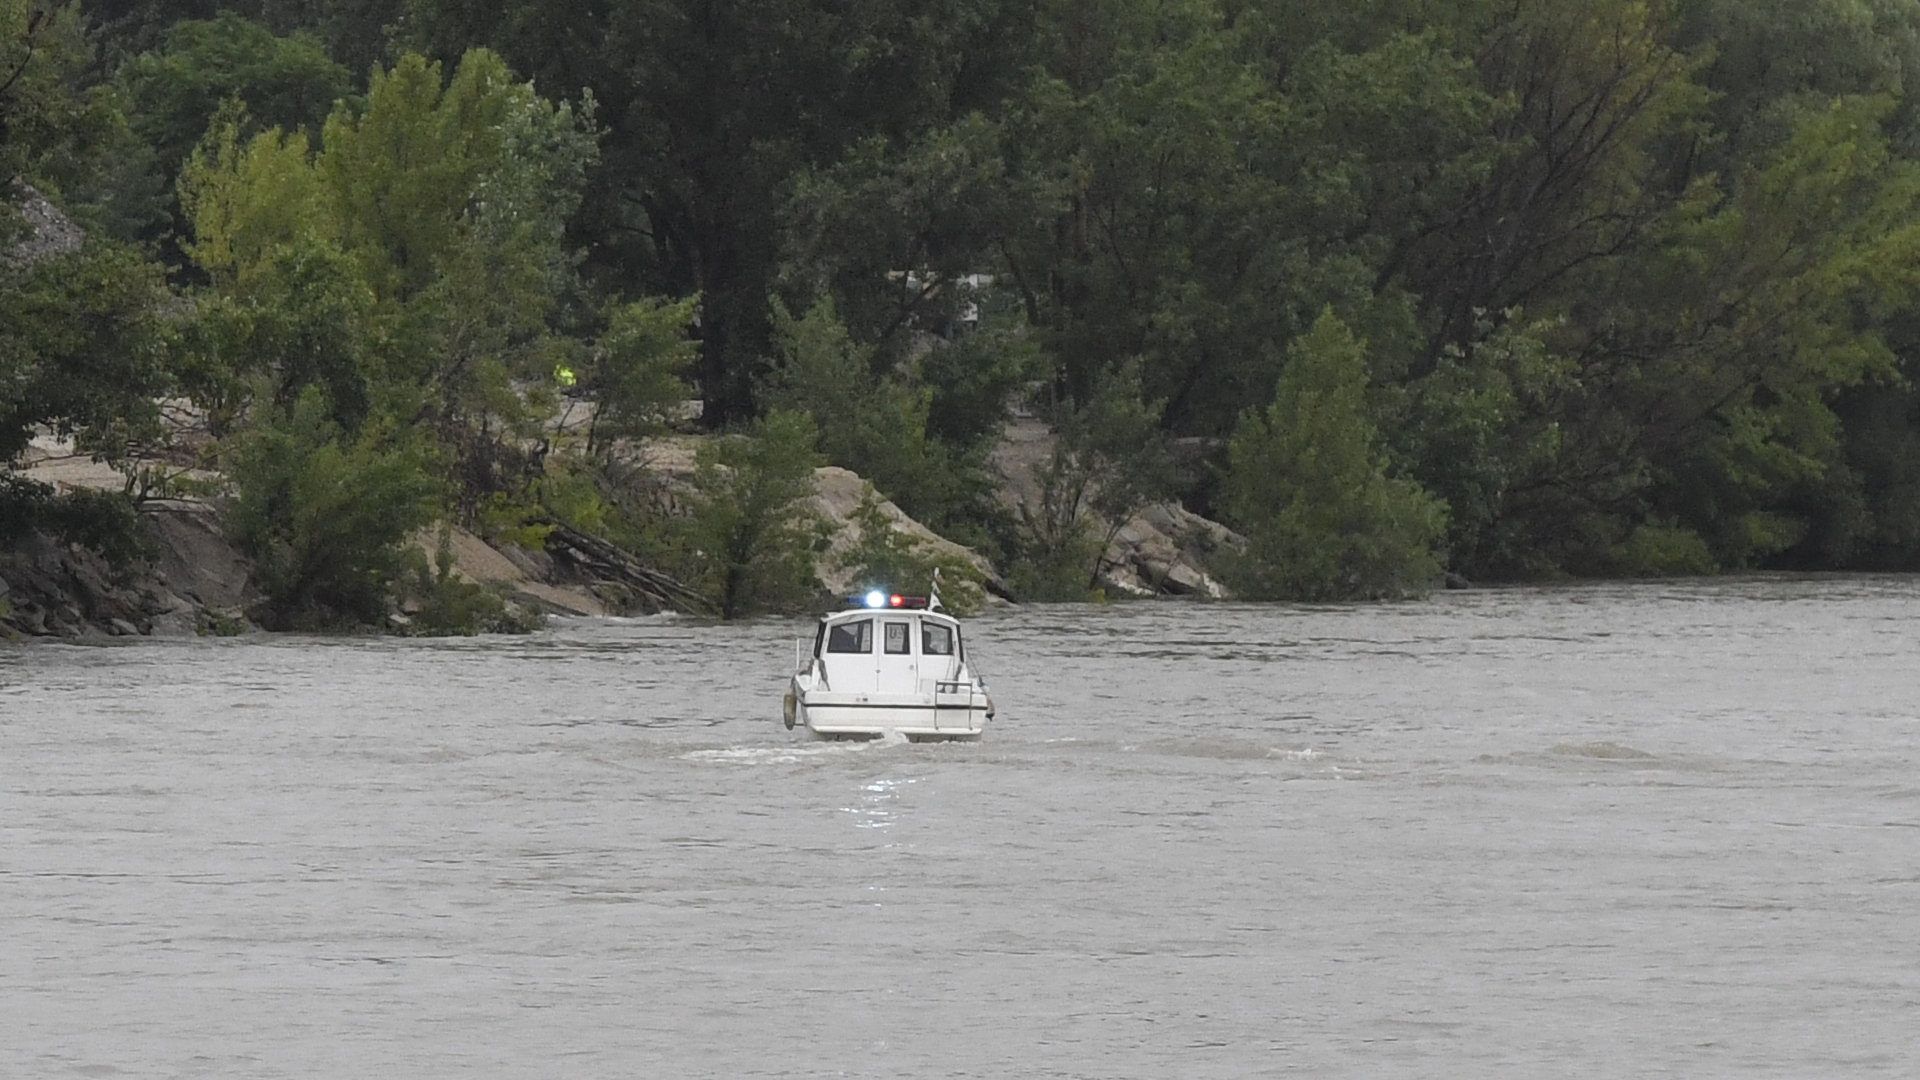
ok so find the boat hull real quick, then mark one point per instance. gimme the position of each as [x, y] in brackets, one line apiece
[962, 715]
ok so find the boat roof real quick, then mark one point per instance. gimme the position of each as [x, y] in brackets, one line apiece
[861, 612]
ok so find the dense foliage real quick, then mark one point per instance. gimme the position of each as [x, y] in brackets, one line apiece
[324, 513]
[1307, 479]
[1509, 289]
[749, 537]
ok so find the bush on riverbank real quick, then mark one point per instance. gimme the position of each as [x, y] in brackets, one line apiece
[887, 558]
[327, 516]
[1307, 484]
[747, 539]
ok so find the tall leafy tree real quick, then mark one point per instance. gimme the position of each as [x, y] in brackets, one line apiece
[1722, 354]
[326, 514]
[84, 341]
[444, 200]
[1206, 184]
[83, 348]
[1307, 483]
[752, 541]
[175, 92]
[713, 107]
[1591, 92]
[59, 121]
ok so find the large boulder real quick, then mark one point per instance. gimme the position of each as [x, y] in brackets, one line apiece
[194, 581]
[1162, 549]
[48, 231]
[196, 561]
[837, 495]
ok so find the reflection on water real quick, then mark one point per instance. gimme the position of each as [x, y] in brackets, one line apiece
[1609, 830]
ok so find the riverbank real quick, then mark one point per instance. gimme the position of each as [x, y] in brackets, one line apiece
[192, 579]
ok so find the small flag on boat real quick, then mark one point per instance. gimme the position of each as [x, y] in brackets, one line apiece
[933, 592]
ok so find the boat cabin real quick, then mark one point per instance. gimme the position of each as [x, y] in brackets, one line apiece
[888, 651]
[889, 663]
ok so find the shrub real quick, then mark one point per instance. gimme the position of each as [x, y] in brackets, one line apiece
[326, 517]
[888, 558]
[1110, 460]
[635, 370]
[1661, 551]
[1056, 572]
[104, 521]
[440, 603]
[751, 543]
[870, 421]
[1307, 484]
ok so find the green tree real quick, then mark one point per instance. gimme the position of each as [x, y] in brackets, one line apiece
[871, 421]
[1307, 482]
[356, 33]
[84, 352]
[894, 228]
[1708, 364]
[60, 124]
[327, 516]
[636, 368]
[84, 342]
[83, 347]
[429, 230]
[1592, 93]
[751, 541]
[1487, 432]
[1110, 460]
[176, 92]
[714, 110]
[976, 379]
[1204, 185]
[1768, 60]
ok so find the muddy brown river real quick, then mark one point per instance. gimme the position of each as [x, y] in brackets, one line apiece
[1626, 830]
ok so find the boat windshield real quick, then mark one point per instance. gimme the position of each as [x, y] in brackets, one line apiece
[935, 640]
[851, 637]
[896, 639]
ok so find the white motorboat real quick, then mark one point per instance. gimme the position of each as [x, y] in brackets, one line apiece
[888, 664]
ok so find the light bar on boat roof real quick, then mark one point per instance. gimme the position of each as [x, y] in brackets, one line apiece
[880, 599]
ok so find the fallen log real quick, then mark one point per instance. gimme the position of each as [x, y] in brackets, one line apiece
[601, 561]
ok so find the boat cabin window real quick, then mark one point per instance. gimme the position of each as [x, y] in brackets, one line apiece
[896, 638]
[851, 637]
[935, 640]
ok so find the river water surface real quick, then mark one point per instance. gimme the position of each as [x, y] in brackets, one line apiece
[1628, 830]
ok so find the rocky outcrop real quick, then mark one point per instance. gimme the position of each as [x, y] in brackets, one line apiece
[1162, 550]
[836, 498]
[48, 231]
[194, 583]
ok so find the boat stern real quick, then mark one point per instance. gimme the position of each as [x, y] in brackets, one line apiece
[952, 711]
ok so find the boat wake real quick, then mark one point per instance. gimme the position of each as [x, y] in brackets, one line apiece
[1225, 748]
[794, 753]
[1600, 751]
